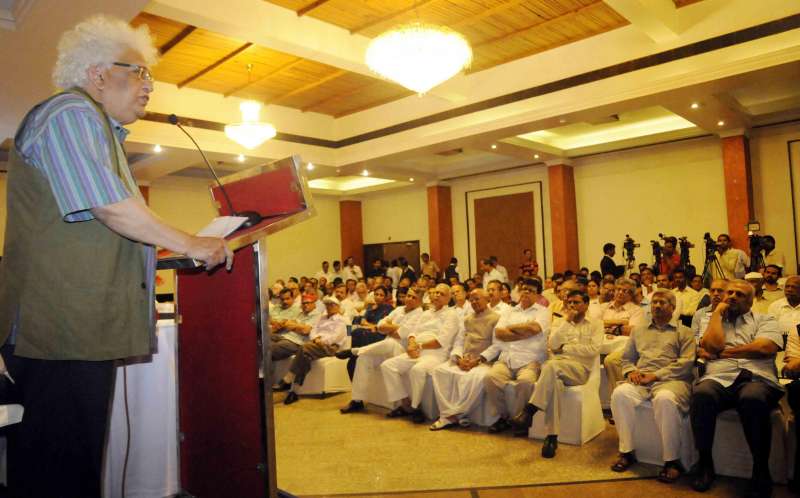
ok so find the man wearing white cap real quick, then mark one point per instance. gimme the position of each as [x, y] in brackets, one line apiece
[760, 303]
[325, 339]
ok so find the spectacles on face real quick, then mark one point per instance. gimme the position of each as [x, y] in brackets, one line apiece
[142, 72]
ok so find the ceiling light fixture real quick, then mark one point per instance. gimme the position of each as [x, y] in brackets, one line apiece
[365, 173]
[419, 56]
[720, 123]
[536, 156]
[494, 146]
[411, 179]
[695, 105]
[240, 158]
[310, 166]
[251, 132]
[157, 149]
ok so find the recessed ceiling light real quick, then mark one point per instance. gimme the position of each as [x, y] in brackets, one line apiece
[562, 120]
[411, 179]
[365, 173]
[695, 105]
[310, 166]
[494, 146]
[240, 158]
[536, 156]
[157, 149]
[720, 123]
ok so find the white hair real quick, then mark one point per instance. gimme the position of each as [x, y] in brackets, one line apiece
[98, 41]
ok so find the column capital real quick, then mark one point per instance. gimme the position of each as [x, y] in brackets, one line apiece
[559, 161]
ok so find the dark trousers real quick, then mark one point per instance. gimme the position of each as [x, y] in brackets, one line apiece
[360, 338]
[57, 449]
[310, 351]
[793, 397]
[752, 399]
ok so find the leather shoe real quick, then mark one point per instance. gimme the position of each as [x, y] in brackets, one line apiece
[282, 386]
[500, 426]
[344, 354]
[417, 416]
[550, 446]
[291, 397]
[353, 407]
[704, 478]
[397, 412]
[522, 422]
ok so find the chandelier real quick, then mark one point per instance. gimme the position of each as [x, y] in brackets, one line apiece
[251, 132]
[419, 56]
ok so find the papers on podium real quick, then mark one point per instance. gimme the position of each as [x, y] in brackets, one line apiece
[219, 227]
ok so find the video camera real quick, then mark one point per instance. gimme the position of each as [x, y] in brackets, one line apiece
[628, 246]
[711, 245]
[657, 246]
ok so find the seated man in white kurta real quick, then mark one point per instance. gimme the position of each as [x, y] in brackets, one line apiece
[428, 347]
[520, 346]
[575, 342]
[458, 384]
[657, 364]
[396, 326]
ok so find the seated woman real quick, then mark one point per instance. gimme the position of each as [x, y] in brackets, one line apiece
[364, 332]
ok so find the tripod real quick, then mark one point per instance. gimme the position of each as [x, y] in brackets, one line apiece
[756, 260]
[711, 264]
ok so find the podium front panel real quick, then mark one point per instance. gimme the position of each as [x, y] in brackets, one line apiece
[222, 433]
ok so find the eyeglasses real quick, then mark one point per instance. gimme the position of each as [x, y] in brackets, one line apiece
[143, 73]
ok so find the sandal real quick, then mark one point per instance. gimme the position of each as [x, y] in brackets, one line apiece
[671, 472]
[624, 461]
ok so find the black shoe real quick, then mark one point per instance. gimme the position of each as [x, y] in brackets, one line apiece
[760, 487]
[523, 420]
[704, 478]
[345, 354]
[500, 426]
[550, 446]
[353, 407]
[418, 417]
[291, 397]
[397, 412]
[282, 386]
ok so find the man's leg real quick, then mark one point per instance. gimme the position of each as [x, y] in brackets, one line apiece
[394, 371]
[57, 449]
[547, 390]
[282, 348]
[793, 397]
[418, 376]
[624, 400]
[526, 378]
[495, 382]
[666, 409]
[613, 366]
[755, 402]
[708, 399]
[444, 379]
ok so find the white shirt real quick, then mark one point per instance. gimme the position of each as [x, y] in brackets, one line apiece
[353, 272]
[331, 330]
[500, 308]
[517, 354]
[503, 271]
[689, 299]
[441, 326]
[463, 311]
[405, 320]
[328, 275]
[580, 341]
[492, 274]
[788, 318]
[394, 273]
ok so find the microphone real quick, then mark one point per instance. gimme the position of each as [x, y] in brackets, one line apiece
[253, 218]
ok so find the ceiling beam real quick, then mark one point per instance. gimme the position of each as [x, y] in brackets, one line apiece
[390, 17]
[658, 19]
[354, 91]
[163, 49]
[713, 109]
[468, 21]
[215, 65]
[309, 86]
[563, 17]
[308, 8]
[376, 103]
[267, 76]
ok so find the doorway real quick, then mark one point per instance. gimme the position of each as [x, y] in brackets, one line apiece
[392, 250]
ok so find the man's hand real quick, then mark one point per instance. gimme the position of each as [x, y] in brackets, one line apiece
[211, 251]
[705, 355]
[645, 379]
[635, 377]
[413, 349]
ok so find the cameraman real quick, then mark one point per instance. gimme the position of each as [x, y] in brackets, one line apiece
[670, 259]
[607, 264]
[732, 261]
[771, 256]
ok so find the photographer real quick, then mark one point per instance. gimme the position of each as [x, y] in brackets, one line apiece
[670, 259]
[607, 264]
[771, 256]
[733, 262]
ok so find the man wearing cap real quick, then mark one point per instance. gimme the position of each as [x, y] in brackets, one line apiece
[295, 330]
[760, 303]
[325, 338]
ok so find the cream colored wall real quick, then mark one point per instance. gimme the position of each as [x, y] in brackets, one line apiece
[396, 216]
[677, 189]
[771, 188]
[295, 251]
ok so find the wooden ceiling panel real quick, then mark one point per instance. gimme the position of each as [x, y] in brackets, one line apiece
[161, 28]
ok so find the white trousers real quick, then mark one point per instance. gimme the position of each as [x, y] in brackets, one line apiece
[405, 377]
[624, 400]
[458, 392]
[369, 362]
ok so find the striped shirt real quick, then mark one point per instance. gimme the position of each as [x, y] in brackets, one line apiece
[65, 139]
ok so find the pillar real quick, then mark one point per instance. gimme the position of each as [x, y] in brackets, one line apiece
[563, 216]
[738, 188]
[350, 227]
[440, 224]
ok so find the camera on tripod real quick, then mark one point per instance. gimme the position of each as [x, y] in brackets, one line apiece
[628, 246]
[657, 245]
[711, 245]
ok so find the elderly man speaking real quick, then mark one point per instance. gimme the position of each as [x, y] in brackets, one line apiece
[77, 276]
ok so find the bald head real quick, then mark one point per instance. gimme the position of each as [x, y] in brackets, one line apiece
[440, 296]
[479, 299]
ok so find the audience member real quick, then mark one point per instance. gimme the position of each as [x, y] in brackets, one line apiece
[296, 330]
[429, 267]
[771, 256]
[607, 264]
[760, 304]
[772, 291]
[490, 272]
[787, 312]
[459, 383]
[496, 303]
[324, 272]
[529, 266]
[657, 363]
[452, 270]
[352, 270]
[688, 297]
[463, 307]
[575, 343]
[500, 268]
[670, 258]
[733, 262]
[364, 330]
[703, 315]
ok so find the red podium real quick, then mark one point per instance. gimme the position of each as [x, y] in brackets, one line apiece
[225, 419]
